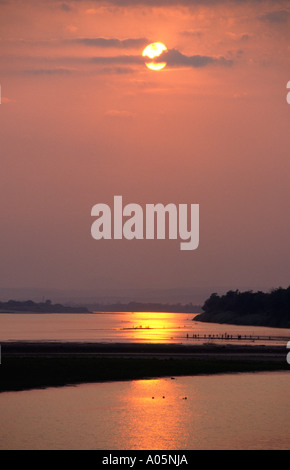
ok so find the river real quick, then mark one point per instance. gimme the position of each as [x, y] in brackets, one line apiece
[234, 411]
[131, 327]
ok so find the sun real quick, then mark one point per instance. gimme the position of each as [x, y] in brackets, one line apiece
[152, 51]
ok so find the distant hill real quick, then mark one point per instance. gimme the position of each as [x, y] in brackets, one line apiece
[146, 307]
[16, 306]
[248, 308]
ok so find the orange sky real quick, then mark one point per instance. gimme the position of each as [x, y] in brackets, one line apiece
[82, 119]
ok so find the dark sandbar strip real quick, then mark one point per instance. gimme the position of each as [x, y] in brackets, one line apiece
[28, 365]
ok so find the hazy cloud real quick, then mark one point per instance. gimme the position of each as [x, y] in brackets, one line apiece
[192, 33]
[53, 71]
[112, 42]
[172, 57]
[276, 17]
[115, 70]
[123, 64]
[189, 3]
[239, 36]
[65, 7]
[123, 59]
[104, 43]
[175, 58]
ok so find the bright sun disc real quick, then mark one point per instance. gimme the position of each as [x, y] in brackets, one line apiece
[152, 51]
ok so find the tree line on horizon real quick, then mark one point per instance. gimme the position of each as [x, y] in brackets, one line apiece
[48, 307]
[274, 304]
[39, 307]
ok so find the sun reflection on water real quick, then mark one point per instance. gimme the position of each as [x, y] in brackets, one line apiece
[151, 418]
[152, 327]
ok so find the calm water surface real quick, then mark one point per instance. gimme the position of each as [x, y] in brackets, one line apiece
[239, 411]
[126, 327]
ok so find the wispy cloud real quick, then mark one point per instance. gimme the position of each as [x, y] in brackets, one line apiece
[175, 58]
[192, 33]
[276, 17]
[65, 7]
[98, 42]
[111, 42]
[172, 57]
[68, 4]
[119, 59]
[63, 71]
[49, 71]
[116, 64]
[239, 36]
[188, 3]
[115, 71]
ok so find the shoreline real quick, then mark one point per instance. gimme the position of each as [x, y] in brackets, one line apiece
[58, 346]
[217, 319]
[34, 365]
